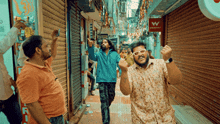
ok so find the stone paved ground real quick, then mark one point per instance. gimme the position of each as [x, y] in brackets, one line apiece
[120, 109]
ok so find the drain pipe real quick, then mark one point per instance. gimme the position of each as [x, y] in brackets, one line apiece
[172, 6]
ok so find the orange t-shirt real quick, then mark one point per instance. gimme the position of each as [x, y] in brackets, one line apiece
[38, 83]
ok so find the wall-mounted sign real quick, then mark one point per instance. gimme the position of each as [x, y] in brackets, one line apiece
[155, 25]
[210, 8]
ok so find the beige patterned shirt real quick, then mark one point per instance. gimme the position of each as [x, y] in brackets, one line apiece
[149, 98]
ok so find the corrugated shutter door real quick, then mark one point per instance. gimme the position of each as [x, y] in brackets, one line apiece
[76, 89]
[195, 41]
[54, 18]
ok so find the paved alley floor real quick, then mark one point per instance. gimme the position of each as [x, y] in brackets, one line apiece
[120, 109]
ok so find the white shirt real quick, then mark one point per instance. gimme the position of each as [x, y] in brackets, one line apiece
[5, 83]
[21, 56]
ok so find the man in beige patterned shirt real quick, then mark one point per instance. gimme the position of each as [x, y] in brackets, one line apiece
[146, 81]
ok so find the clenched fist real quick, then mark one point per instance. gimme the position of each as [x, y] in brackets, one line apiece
[20, 24]
[123, 65]
[166, 52]
[53, 34]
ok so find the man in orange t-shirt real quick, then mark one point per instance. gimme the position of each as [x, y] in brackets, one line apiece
[38, 87]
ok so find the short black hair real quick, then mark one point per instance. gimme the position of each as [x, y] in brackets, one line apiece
[149, 50]
[30, 45]
[136, 44]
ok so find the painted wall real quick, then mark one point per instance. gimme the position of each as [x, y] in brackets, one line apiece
[157, 50]
[21, 9]
[151, 45]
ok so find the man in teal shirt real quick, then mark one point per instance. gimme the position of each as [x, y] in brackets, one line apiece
[107, 59]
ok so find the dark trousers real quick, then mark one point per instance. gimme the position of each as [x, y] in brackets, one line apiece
[93, 81]
[57, 120]
[107, 95]
[11, 109]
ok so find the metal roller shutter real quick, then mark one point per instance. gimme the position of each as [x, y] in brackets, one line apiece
[195, 41]
[54, 18]
[76, 89]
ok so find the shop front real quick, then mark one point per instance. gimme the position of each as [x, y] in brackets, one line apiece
[195, 41]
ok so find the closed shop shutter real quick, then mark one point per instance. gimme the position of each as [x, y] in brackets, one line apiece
[76, 89]
[195, 41]
[54, 18]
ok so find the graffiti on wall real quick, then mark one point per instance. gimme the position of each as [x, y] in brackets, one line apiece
[27, 5]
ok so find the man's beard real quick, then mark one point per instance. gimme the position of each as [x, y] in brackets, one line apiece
[44, 56]
[103, 48]
[142, 65]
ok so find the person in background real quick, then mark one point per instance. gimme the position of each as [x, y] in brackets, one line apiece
[38, 86]
[129, 59]
[8, 101]
[97, 48]
[118, 68]
[107, 59]
[123, 53]
[91, 65]
[150, 54]
[147, 82]
[118, 51]
[91, 76]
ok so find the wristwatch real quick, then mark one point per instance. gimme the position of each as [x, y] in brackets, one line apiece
[169, 60]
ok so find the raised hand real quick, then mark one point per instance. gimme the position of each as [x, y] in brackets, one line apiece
[54, 33]
[90, 42]
[123, 65]
[20, 24]
[166, 52]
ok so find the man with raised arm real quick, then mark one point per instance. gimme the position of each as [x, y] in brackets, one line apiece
[38, 86]
[146, 82]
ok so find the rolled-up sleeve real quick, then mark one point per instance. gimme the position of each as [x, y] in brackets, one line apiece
[8, 40]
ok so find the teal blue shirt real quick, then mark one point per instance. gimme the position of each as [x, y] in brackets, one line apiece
[106, 68]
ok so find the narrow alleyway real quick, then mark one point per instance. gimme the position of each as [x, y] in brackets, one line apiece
[120, 109]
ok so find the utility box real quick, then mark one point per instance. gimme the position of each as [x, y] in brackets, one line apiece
[188, 115]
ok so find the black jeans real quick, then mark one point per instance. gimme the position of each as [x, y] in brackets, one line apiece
[107, 95]
[11, 110]
[57, 120]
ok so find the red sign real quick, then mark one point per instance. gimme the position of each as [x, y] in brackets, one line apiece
[24, 112]
[155, 25]
[217, 1]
